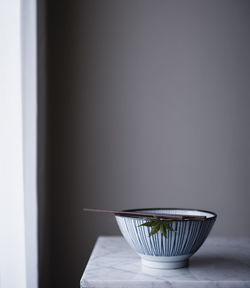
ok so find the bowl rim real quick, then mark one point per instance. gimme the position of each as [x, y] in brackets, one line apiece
[187, 209]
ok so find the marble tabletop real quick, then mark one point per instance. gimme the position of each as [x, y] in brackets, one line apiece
[220, 262]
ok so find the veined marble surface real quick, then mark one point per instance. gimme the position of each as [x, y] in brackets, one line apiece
[220, 262]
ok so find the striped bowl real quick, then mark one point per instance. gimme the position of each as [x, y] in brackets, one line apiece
[175, 250]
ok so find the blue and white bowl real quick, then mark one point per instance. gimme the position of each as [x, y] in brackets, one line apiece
[175, 250]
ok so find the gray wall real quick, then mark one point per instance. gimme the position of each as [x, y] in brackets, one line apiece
[147, 104]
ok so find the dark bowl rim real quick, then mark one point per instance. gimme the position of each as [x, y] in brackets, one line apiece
[187, 209]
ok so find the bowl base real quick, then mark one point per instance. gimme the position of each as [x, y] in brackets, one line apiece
[160, 262]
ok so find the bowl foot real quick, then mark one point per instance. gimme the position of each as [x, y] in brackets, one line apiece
[158, 262]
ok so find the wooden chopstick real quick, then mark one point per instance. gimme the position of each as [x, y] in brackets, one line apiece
[131, 213]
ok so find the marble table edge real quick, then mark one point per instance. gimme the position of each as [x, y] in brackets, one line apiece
[98, 283]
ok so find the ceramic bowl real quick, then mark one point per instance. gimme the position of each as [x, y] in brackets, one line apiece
[169, 252]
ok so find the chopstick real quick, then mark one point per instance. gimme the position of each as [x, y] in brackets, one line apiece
[164, 216]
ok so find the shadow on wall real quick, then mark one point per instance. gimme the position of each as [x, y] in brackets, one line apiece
[141, 104]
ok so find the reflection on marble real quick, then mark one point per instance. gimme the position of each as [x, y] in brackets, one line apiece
[220, 262]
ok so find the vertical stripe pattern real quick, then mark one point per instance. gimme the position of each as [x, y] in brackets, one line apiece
[187, 240]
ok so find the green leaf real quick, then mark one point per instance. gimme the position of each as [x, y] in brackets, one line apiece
[154, 230]
[163, 230]
[157, 224]
[154, 219]
[148, 224]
